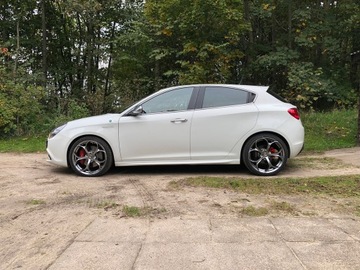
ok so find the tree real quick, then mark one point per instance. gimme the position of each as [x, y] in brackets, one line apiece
[98, 56]
[197, 41]
[301, 48]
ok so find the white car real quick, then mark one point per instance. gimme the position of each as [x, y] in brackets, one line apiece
[192, 124]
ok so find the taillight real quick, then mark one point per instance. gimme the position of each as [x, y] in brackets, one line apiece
[294, 113]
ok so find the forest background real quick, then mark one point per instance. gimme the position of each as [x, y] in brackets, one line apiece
[65, 59]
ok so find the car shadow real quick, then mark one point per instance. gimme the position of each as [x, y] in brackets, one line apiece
[176, 170]
[180, 170]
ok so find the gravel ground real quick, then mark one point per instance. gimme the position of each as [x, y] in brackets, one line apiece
[43, 208]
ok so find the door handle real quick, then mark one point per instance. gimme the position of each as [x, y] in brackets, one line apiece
[178, 120]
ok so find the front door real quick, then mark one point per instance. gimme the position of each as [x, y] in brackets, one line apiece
[161, 133]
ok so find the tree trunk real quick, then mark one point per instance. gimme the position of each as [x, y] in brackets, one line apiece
[357, 82]
[355, 71]
[44, 45]
[358, 133]
[355, 78]
[17, 47]
[89, 56]
[108, 71]
[249, 41]
[76, 87]
[290, 24]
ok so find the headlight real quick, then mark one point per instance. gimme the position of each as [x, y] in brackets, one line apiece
[56, 131]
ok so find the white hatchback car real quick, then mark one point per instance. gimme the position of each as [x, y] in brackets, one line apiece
[192, 124]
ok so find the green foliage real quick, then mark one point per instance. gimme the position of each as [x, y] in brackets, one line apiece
[20, 104]
[306, 85]
[72, 109]
[310, 89]
[23, 106]
[277, 60]
[134, 64]
[302, 48]
[200, 37]
[69, 58]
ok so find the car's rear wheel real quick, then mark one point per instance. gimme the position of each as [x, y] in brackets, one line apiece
[265, 154]
[90, 156]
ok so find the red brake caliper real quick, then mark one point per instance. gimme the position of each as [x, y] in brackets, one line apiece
[82, 154]
[272, 151]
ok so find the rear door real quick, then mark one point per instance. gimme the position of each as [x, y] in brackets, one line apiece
[223, 117]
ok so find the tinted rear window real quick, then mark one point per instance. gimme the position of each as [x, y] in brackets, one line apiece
[221, 96]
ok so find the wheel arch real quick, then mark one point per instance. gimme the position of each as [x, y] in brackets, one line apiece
[88, 135]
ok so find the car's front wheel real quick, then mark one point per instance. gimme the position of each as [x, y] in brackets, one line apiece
[265, 154]
[90, 156]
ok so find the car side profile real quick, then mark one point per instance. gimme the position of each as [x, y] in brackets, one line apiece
[191, 124]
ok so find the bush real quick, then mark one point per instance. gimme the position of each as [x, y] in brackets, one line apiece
[20, 105]
[309, 88]
[24, 110]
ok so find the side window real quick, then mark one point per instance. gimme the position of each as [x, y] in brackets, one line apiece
[175, 100]
[221, 96]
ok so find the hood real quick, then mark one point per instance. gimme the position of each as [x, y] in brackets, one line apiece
[95, 120]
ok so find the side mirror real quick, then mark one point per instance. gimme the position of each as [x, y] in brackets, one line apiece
[137, 111]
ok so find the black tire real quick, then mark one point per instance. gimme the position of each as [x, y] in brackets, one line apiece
[90, 156]
[265, 154]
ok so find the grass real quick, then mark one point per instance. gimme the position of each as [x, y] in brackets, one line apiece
[357, 210]
[283, 207]
[106, 205]
[343, 186]
[132, 211]
[127, 211]
[330, 130]
[323, 131]
[254, 211]
[23, 144]
[35, 202]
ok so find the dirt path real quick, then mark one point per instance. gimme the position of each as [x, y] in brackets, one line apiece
[43, 208]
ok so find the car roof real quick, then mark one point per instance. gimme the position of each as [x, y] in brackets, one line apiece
[252, 88]
[261, 91]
